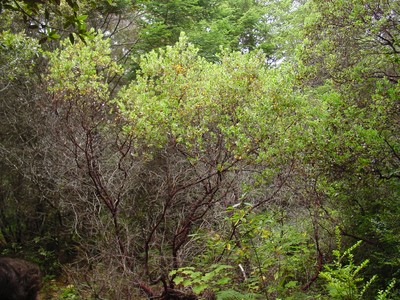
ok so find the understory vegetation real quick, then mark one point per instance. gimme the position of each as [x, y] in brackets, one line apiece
[202, 149]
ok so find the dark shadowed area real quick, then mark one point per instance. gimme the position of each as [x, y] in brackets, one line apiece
[19, 279]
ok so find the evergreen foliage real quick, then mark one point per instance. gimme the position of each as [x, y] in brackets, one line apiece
[207, 149]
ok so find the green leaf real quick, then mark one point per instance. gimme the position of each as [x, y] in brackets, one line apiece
[54, 36]
[291, 284]
[81, 17]
[199, 288]
[223, 281]
[187, 282]
[178, 279]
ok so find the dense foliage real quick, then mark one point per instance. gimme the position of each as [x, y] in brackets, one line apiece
[211, 149]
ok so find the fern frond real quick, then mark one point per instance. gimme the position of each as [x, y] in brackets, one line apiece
[234, 295]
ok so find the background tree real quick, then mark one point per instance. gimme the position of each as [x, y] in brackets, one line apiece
[31, 219]
[182, 167]
[351, 72]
